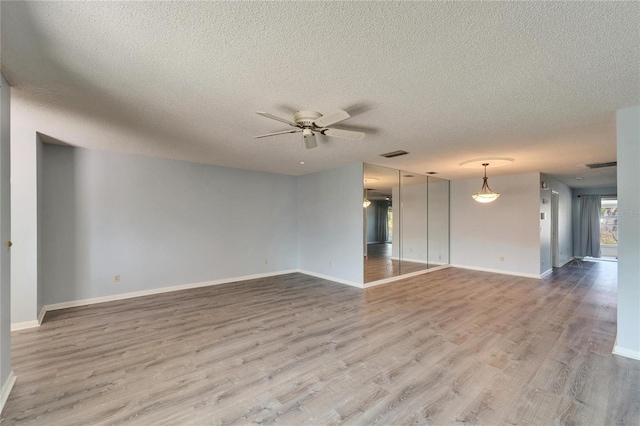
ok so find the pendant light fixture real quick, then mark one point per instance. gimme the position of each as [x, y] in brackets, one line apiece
[485, 195]
[366, 202]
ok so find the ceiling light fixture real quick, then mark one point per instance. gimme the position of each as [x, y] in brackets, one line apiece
[485, 195]
[366, 202]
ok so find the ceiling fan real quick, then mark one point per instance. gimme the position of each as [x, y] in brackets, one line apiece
[312, 122]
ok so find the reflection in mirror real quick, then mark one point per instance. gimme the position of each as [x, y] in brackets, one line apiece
[406, 223]
[438, 221]
[380, 224]
[413, 214]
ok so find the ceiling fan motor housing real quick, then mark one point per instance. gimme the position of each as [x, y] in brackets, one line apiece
[306, 117]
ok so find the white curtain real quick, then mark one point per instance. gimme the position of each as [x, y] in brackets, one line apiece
[590, 225]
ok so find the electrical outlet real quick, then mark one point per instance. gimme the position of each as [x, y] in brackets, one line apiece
[116, 278]
[501, 258]
[330, 263]
[266, 261]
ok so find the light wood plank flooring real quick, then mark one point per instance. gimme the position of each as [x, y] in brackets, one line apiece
[449, 347]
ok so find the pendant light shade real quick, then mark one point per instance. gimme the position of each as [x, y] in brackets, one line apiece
[366, 202]
[485, 195]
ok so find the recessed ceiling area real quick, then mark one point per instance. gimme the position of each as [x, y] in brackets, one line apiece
[538, 82]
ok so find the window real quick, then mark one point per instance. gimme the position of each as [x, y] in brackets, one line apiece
[609, 222]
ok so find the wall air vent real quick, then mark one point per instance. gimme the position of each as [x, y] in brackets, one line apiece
[601, 165]
[394, 154]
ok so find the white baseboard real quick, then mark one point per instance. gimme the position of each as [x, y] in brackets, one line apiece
[24, 325]
[407, 259]
[123, 296]
[424, 262]
[6, 389]
[546, 273]
[330, 278]
[41, 315]
[565, 262]
[628, 353]
[404, 276]
[498, 271]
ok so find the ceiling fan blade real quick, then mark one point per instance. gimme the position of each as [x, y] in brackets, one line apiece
[278, 133]
[331, 118]
[273, 117]
[346, 134]
[310, 140]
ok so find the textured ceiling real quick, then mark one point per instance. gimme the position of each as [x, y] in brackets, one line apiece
[535, 81]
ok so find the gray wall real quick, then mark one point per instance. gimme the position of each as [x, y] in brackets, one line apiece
[157, 223]
[24, 207]
[507, 227]
[5, 232]
[330, 223]
[628, 128]
[609, 190]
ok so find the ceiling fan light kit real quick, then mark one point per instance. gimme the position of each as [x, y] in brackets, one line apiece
[309, 138]
[310, 122]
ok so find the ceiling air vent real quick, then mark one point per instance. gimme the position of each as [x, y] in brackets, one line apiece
[394, 154]
[601, 165]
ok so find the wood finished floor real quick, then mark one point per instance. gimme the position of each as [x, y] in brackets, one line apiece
[449, 347]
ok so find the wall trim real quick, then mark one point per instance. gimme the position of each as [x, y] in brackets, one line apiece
[498, 271]
[628, 353]
[6, 389]
[131, 295]
[546, 273]
[404, 276]
[565, 262]
[41, 315]
[24, 325]
[330, 278]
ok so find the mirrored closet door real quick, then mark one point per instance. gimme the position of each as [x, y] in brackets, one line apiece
[406, 218]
